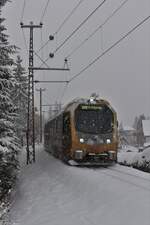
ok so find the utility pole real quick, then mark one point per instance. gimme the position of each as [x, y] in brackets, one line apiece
[41, 122]
[30, 133]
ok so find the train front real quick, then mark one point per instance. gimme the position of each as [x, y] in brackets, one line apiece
[95, 136]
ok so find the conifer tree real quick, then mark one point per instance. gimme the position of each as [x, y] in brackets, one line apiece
[20, 98]
[8, 141]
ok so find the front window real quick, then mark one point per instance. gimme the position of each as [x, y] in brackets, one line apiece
[94, 119]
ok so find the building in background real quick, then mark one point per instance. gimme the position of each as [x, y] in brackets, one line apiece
[146, 132]
[128, 136]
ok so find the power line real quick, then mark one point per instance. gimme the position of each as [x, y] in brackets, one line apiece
[97, 29]
[43, 62]
[83, 22]
[59, 98]
[42, 53]
[109, 49]
[62, 24]
[64, 91]
[25, 41]
[23, 9]
[44, 45]
[68, 17]
[44, 11]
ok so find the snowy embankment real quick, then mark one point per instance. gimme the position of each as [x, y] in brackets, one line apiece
[4, 209]
[52, 193]
[131, 157]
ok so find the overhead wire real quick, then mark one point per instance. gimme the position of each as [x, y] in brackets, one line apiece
[97, 29]
[68, 17]
[65, 87]
[41, 40]
[23, 9]
[42, 52]
[62, 24]
[43, 62]
[44, 11]
[25, 41]
[110, 48]
[81, 24]
[43, 46]
[63, 93]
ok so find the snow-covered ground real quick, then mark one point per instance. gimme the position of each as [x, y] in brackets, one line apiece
[52, 193]
[132, 157]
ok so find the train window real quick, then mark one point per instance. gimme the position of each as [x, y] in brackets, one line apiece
[66, 123]
[66, 130]
[59, 124]
[94, 120]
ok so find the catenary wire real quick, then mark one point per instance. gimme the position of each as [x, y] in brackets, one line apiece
[97, 29]
[59, 98]
[44, 45]
[23, 9]
[63, 93]
[42, 52]
[68, 17]
[41, 39]
[110, 48]
[81, 24]
[66, 87]
[63, 23]
[43, 62]
[44, 11]
[25, 41]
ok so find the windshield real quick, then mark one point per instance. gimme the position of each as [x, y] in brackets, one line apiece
[94, 119]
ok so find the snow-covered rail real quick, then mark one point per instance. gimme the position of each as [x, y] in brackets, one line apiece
[123, 170]
[129, 178]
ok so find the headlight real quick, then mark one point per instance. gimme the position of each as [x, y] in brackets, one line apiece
[108, 141]
[81, 140]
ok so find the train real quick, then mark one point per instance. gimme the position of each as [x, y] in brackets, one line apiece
[84, 132]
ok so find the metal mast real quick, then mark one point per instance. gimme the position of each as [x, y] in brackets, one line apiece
[30, 134]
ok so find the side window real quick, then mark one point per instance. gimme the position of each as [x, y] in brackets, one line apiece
[66, 123]
[66, 130]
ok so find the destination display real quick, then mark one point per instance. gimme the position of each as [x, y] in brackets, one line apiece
[91, 107]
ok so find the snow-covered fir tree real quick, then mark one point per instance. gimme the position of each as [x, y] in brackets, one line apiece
[20, 98]
[8, 142]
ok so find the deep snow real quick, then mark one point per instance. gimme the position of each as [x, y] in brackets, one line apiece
[131, 156]
[52, 193]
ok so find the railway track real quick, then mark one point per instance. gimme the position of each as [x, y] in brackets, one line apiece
[127, 177]
[127, 173]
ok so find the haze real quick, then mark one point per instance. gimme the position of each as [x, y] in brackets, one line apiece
[122, 76]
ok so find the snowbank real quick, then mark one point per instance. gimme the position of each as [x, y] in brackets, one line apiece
[4, 209]
[131, 157]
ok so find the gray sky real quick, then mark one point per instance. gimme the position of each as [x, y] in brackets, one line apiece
[122, 76]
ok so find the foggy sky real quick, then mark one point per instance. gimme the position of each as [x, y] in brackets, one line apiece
[122, 76]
